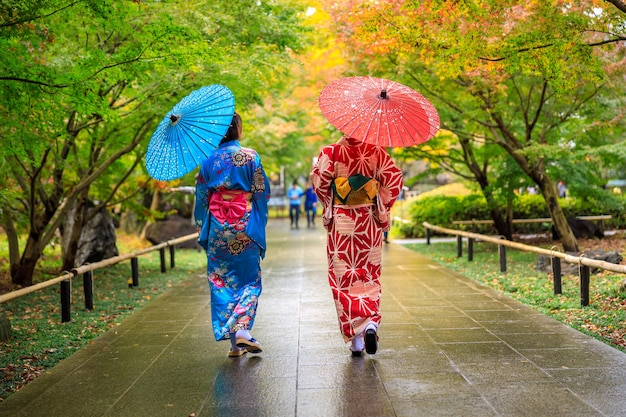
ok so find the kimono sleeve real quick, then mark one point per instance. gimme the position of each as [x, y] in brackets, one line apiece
[390, 178]
[322, 177]
[201, 210]
[261, 189]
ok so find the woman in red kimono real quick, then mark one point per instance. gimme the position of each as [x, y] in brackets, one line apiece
[357, 183]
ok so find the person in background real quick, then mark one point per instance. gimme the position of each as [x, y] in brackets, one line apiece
[562, 188]
[294, 194]
[310, 204]
[356, 183]
[232, 191]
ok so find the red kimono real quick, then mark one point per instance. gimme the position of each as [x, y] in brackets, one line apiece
[357, 183]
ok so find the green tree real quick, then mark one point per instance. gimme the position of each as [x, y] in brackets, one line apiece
[85, 84]
[523, 76]
[289, 128]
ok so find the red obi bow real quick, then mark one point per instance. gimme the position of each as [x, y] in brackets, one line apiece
[230, 209]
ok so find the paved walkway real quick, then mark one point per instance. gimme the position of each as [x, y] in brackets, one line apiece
[449, 347]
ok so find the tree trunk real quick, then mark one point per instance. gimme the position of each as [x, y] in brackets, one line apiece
[71, 237]
[23, 273]
[154, 206]
[501, 223]
[550, 194]
[12, 238]
[35, 243]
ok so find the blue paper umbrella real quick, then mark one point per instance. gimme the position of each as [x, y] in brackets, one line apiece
[190, 132]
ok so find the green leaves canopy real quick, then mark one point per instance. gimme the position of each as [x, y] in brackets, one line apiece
[85, 83]
[529, 77]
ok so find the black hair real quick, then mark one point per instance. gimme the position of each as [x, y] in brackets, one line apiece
[234, 131]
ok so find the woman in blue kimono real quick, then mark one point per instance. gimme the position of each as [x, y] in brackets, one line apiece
[232, 191]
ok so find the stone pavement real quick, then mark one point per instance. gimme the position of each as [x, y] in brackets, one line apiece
[449, 347]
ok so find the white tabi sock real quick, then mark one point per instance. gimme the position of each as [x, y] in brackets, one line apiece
[372, 326]
[358, 345]
[244, 333]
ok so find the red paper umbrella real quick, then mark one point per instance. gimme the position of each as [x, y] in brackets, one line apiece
[379, 111]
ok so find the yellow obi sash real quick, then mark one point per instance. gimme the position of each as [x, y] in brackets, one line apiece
[354, 190]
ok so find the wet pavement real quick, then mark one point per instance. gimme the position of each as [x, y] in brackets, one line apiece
[448, 347]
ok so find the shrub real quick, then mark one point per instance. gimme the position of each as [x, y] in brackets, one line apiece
[443, 210]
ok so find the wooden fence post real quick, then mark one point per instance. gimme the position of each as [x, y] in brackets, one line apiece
[584, 285]
[556, 275]
[66, 300]
[172, 251]
[470, 249]
[88, 289]
[134, 264]
[502, 251]
[163, 266]
[459, 246]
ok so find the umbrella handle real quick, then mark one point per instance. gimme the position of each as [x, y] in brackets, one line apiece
[383, 94]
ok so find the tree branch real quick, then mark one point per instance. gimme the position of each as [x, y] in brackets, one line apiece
[104, 68]
[619, 4]
[130, 170]
[27, 81]
[88, 180]
[31, 18]
[534, 48]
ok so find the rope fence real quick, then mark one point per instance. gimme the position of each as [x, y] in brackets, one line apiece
[87, 272]
[584, 263]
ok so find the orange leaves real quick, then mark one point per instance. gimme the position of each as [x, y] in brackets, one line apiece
[370, 27]
[473, 38]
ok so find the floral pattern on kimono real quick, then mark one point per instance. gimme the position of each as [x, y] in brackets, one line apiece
[354, 246]
[234, 244]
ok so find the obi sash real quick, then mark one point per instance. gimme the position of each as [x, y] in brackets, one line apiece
[230, 205]
[354, 190]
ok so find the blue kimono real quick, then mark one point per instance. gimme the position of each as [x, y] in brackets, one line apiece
[232, 191]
